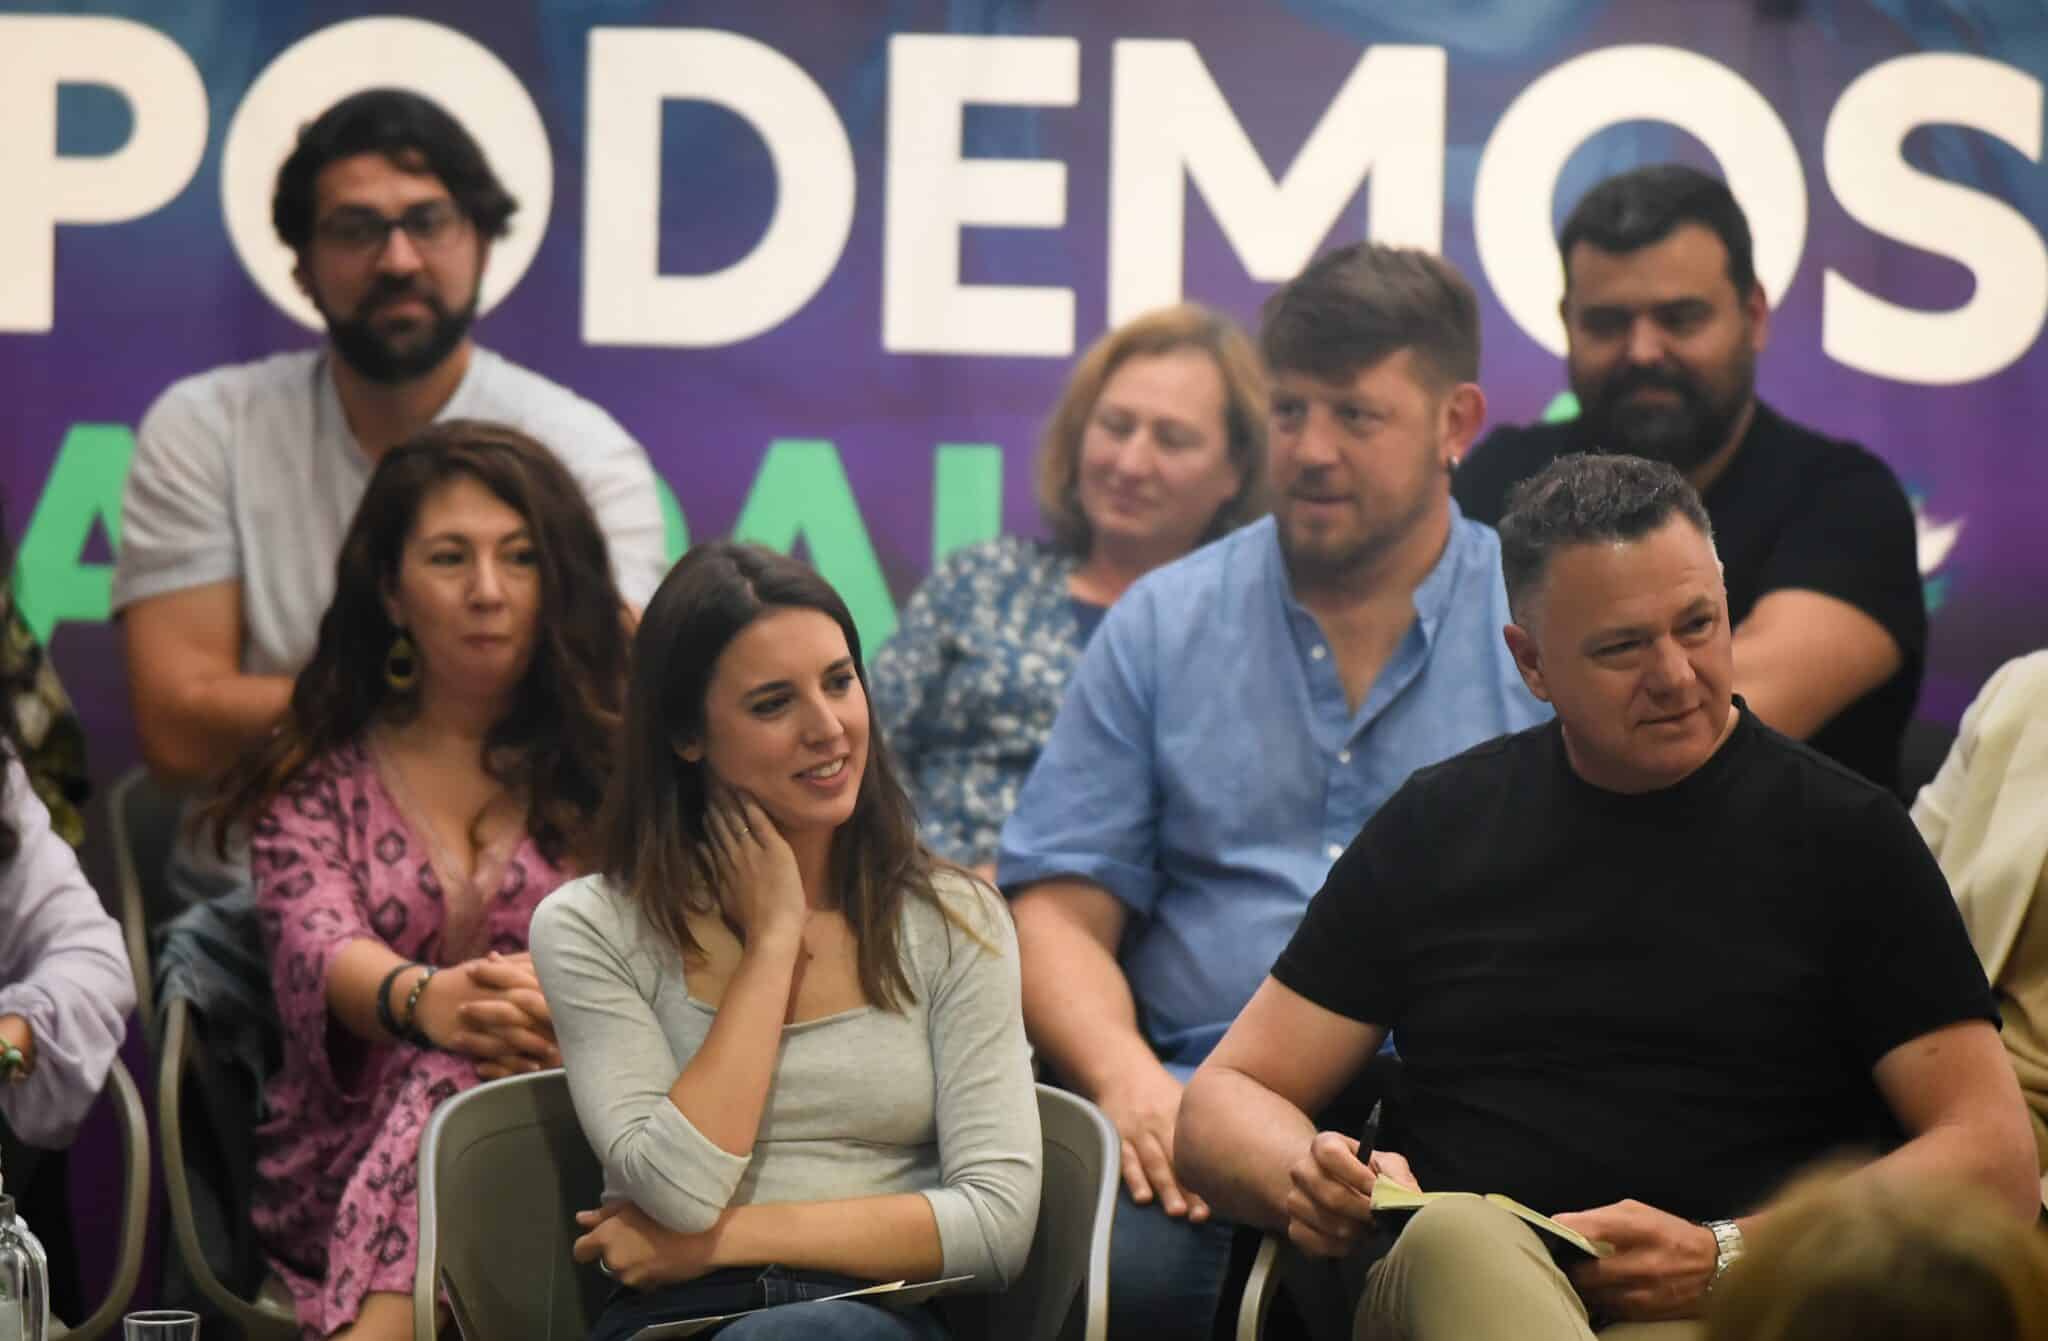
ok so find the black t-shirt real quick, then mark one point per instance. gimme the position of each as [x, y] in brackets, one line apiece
[1792, 510]
[1677, 996]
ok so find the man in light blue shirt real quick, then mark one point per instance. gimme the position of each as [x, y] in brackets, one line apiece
[1238, 717]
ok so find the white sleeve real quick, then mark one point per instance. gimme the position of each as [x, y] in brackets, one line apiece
[177, 508]
[63, 968]
[618, 480]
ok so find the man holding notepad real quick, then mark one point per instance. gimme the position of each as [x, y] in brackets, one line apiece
[1644, 962]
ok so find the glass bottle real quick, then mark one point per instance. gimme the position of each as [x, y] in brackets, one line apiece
[24, 1279]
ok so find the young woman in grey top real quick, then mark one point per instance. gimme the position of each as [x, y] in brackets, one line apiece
[793, 1037]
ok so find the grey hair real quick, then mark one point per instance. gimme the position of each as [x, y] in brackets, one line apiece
[1588, 499]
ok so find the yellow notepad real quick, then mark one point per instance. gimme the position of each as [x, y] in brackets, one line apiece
[1388, 1195]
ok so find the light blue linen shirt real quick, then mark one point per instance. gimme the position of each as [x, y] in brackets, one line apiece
[1206, 769]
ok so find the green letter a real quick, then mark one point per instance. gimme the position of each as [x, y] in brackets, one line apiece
[50, 584]
[802, 490]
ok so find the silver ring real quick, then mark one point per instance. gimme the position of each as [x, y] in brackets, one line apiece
[606, 1268]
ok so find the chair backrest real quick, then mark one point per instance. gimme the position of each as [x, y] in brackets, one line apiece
[144, 817]
[184, 1049]
[504, 1166]
[134, 1127]
[502, 1171]
[1063, 1294]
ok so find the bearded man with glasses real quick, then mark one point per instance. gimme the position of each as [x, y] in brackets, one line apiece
[245, 477]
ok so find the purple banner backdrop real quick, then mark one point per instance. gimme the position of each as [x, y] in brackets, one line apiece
[1854, 129]
[897, 240]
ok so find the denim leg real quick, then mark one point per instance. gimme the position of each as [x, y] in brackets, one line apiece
[836, 1320]
[1164, 1274]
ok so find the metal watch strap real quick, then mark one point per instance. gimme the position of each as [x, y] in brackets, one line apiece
[1727, 1247]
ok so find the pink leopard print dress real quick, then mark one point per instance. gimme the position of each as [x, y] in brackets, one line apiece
[337, 858]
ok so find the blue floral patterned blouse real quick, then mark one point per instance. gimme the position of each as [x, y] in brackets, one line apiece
[966, 689]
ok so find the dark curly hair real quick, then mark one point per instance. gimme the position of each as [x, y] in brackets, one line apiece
[416, 134]
[557, 742]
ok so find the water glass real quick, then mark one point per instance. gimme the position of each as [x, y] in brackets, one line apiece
[161, 1324]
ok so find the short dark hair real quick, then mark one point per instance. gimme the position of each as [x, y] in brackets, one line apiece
[1359, 304]
[1588, 498]
[416, 134]
[1641, 207]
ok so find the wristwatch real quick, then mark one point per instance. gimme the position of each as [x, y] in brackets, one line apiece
[1727, 1247]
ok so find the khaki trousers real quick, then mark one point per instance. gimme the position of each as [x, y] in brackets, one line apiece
[1464, 1270]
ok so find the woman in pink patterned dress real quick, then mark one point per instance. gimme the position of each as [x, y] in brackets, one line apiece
[444, 751]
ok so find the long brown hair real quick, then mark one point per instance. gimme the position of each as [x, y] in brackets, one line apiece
[650, 837]
[556, 743]
[1162, 331]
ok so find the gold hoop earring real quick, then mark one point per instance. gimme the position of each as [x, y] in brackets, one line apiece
[402, 665]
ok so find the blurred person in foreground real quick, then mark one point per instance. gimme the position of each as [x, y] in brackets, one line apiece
[1843, 1259]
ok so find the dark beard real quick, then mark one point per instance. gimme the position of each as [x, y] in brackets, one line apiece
[373, 356]
[1682, 435]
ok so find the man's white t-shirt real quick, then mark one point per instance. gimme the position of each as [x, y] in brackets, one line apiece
[250, 473]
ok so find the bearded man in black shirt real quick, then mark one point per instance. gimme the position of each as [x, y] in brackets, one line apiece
[1643, 963]
[1664, 320]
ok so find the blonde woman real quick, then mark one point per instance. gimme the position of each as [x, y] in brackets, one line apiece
[1157, 445]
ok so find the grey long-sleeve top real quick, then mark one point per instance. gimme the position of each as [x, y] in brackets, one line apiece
[936, 1099]
[63, 968]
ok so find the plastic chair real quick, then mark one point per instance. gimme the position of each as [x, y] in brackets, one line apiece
[1378, 1080]
[267, 1317]
[1259, 1289]
[501, 1245]
[144, 815]
[1063, 1294]
[134, 1131]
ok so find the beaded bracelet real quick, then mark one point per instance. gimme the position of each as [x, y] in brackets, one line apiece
[13, 1064]
[412, 1009]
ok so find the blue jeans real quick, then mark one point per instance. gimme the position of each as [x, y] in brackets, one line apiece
[836, 1320]
[791, 1303]
[1164, 1274]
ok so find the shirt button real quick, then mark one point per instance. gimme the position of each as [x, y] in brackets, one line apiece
[1343, 756]
[1335, 851]
[1318, 651]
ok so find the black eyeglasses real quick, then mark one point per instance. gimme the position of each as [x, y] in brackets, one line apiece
[427, 226]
